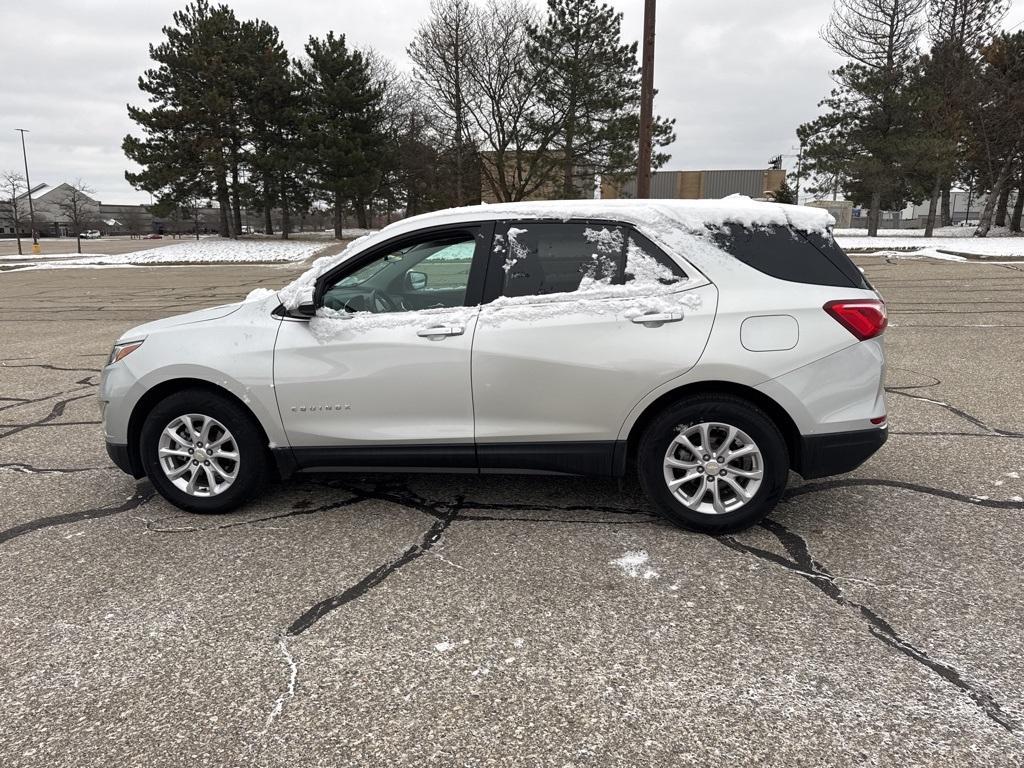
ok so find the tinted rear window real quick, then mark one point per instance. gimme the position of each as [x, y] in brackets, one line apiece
[791, 255]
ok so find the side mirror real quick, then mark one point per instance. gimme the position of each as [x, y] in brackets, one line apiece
[306, 306]
[415, 281]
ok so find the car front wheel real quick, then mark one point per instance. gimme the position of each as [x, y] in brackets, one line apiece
[203, 452]
[713, 464]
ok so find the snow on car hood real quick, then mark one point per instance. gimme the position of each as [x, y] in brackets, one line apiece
[199, 316]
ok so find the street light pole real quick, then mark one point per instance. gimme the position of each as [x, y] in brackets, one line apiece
[643, 179]
[28, 186]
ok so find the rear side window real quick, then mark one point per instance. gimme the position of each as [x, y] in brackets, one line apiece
[540, 258]
[647, 263]
[788, 254]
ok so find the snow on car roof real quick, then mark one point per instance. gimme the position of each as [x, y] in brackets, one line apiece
[667, 220]
[695, 215]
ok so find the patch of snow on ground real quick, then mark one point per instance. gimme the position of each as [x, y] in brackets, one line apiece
[444, 645]
[194, 252]
[633, 565]
[915, 246]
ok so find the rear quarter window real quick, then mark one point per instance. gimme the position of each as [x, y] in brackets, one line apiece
[788, 254]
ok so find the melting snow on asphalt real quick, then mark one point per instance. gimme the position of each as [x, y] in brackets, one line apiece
[634, 565]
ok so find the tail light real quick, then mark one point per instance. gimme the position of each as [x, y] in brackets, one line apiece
[864, 318]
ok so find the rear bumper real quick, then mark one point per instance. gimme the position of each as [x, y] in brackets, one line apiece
[122, 458]
[838, 452]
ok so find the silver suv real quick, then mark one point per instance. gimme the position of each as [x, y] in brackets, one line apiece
[710, 346]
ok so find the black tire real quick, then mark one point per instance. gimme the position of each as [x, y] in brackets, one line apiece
[251, 445]
[726, 409]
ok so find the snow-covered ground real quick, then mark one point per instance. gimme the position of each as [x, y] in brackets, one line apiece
[945, 245]
[188, 252]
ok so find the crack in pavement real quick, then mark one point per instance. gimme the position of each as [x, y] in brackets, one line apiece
[445, 513]
[982, 435]
[289, 692]
[29, 469]
[49, 367]
[55, 412]
[296, 512]
[803, 564]
[136, 500]
[902, 391]
[854, 482]
[17, 402]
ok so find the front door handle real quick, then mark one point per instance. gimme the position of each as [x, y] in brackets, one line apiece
[658, 318]
[441, 330]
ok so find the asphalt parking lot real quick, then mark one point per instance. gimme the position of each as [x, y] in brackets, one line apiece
[876, 619]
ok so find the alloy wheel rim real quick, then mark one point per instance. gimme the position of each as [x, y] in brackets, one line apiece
[199, 455]
[713, 468]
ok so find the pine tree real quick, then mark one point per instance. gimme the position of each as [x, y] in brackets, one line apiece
[957, 30]
[342, 133]
[591, 90]
[869, 128]
[995, 135]
[271, 110]
[785, 194]
[191, 135]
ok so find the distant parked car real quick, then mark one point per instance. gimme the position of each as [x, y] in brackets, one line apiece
[153, 236]
[91, 234]
[707, 346]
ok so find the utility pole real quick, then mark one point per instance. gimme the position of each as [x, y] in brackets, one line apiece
[28, 186]
[643, 178]
[799, 171]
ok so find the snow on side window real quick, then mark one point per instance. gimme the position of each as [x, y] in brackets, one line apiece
[646, 265]
[517, 251]
[547, 258]
[604, 265]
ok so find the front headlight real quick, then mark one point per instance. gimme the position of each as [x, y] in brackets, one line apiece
[122, 350]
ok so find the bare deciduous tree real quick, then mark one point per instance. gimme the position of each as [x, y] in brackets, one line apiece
[78, 208]
[440, 52]
[505, 103]
[12, 185]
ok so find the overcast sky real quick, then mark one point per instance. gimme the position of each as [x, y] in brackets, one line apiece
[738, 75]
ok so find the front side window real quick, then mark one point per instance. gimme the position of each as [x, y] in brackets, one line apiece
[541, 258]
[432, 273]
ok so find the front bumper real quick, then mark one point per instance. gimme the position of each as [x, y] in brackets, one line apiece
[838, 452]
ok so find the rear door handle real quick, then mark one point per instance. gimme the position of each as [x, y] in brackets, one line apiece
[658, 317]
[441, 330]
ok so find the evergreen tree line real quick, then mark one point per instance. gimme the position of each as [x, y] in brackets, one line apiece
[501, 98]
[904, 124]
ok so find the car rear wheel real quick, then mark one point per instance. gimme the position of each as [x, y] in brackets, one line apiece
[203, 452]
[714, 464]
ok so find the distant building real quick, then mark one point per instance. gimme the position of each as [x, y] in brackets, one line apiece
[702, 185]
[841, 210]
[109, 219]
[51, 218]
